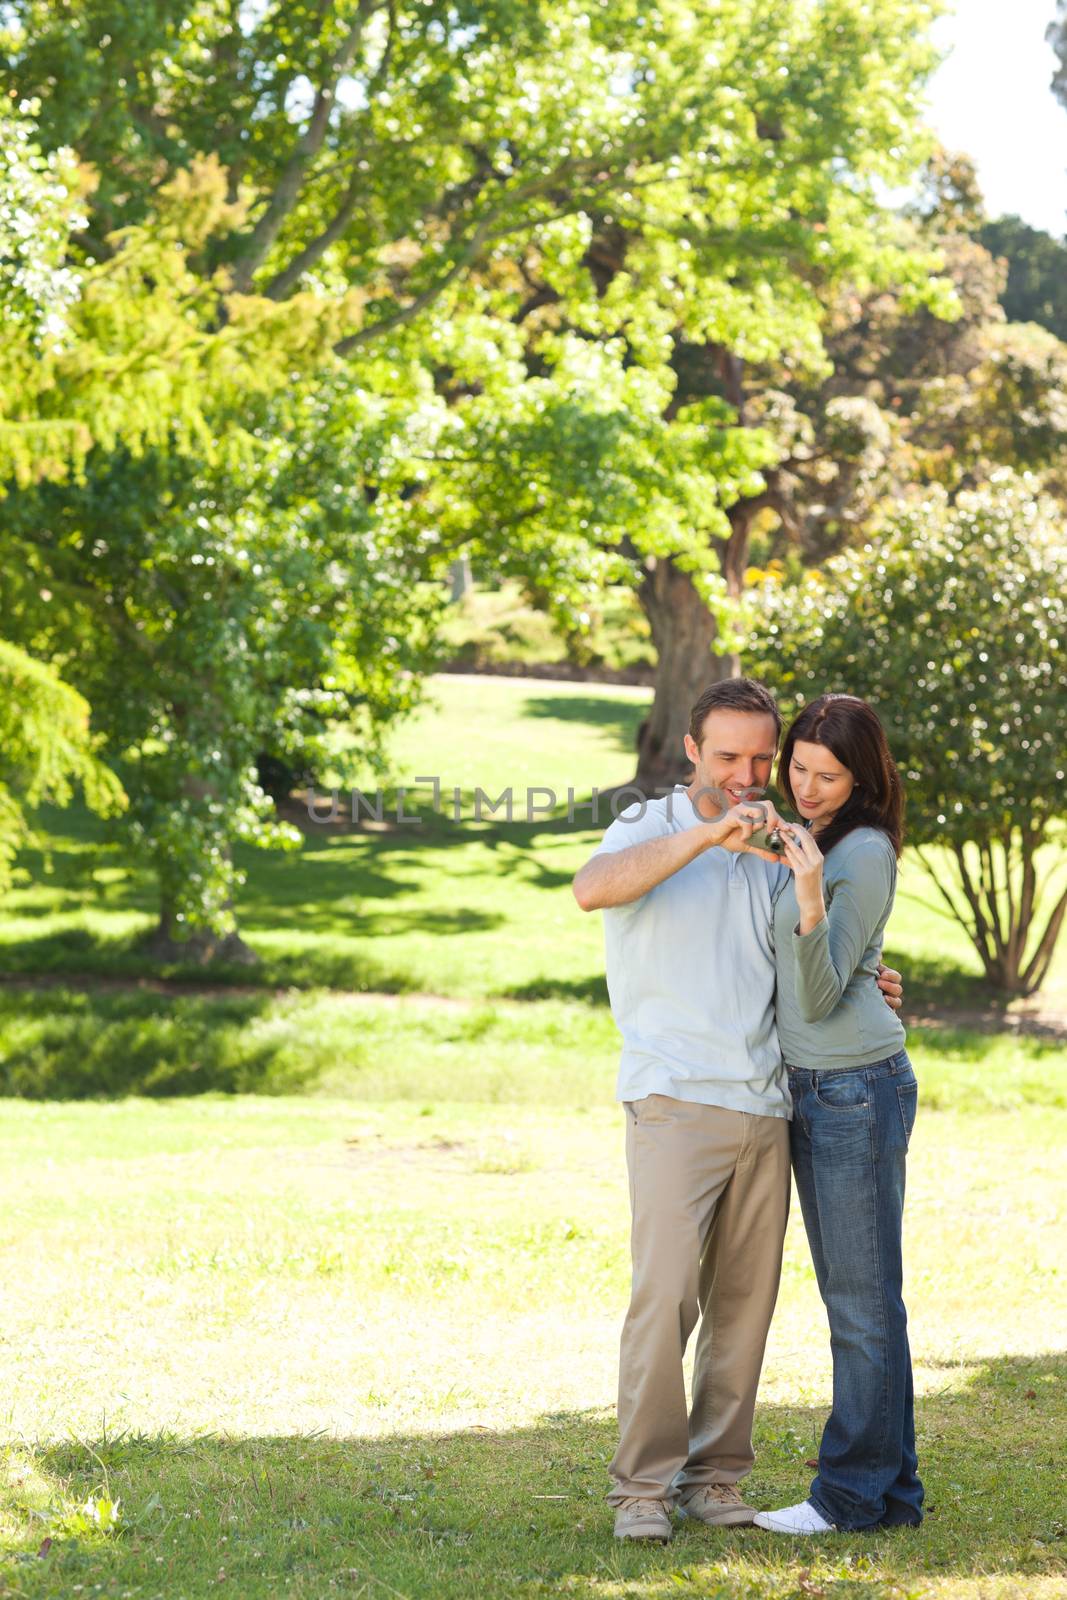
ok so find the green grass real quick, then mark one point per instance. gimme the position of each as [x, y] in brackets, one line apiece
[475, 910]
[315, 1346]
[80, 1044]
[445, 907]
[322, 1285]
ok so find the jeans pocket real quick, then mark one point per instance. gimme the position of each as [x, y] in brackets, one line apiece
[842, 1091]
[908, 1101]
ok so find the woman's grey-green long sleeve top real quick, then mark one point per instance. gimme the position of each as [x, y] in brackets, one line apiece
[829, 1009]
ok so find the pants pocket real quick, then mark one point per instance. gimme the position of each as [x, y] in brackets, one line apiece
[841, 1091]
[908, 1101]
[655, 1110]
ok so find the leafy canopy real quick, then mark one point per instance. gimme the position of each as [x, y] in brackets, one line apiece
[304, 360]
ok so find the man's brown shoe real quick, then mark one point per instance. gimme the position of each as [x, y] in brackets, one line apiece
[643, 1519]
[717, 1504]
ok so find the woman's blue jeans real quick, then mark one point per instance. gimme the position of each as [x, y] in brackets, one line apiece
[849, 1137]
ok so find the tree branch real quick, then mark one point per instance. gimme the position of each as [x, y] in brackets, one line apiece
[540, 295]
[1016, 945]
[1037, 968]
[280, 285]
[980, 936]
[485, 233]
[953, 909]
[307, 147]
[1028, 894]
[355, 341]
[382, 68]
[992, 898]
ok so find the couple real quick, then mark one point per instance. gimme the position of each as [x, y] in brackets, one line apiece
[722, 959]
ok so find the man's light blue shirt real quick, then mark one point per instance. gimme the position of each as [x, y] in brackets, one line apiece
[691, 973]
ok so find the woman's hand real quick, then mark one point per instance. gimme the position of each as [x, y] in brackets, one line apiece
[805, 858]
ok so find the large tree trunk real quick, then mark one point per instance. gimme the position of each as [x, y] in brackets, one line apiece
[683, 631]
[683, 628]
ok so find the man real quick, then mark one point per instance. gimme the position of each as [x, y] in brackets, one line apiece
[690, 961]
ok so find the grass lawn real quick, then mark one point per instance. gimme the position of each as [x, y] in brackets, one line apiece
[317, 1270]
[315, 1346]
[62, 1043]
[465, 909]
[476, 915]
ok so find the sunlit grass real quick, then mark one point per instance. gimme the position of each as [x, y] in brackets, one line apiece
[317, 1343]
[445, 907]
[344, 1318]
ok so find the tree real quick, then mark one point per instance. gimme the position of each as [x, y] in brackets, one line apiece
[45, 750]
[214, 621]
[908, 394]
[113, 377]
[1056, 35]
[952, 623]
[368, 181]
[56, 395]
[836, 417]
[1036, 287]
[725, 270]
[1009, 410]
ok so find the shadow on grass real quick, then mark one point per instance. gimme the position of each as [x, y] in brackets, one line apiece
[345, 885]
[593, 991]
[596, 711]
[347, 888]
[59, 1044]
[1043, 1043]
[482, 1513]
[85, 959]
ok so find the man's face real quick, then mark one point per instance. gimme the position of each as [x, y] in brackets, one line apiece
[735, 754]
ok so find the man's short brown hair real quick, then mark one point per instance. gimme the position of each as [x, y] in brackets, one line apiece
[734, 694]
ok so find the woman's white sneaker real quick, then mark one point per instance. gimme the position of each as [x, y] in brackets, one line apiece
[793, 1519]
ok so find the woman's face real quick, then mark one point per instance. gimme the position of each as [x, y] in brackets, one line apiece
[820, 784]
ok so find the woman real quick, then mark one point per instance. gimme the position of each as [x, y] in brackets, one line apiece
[854, 1098]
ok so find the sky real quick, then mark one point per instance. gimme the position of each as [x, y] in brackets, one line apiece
[991, 97]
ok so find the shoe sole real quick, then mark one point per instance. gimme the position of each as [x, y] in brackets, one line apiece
[800, 1533]
[643, 1538]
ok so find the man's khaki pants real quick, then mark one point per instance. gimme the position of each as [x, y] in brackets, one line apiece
[709, 1193]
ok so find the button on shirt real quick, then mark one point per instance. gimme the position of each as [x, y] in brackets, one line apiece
[691, 972]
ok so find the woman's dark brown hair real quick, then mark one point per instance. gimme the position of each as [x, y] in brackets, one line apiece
[851, 731]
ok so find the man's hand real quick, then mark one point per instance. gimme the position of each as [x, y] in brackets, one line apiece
[891, 985]
[619, 877]
[734, 830]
